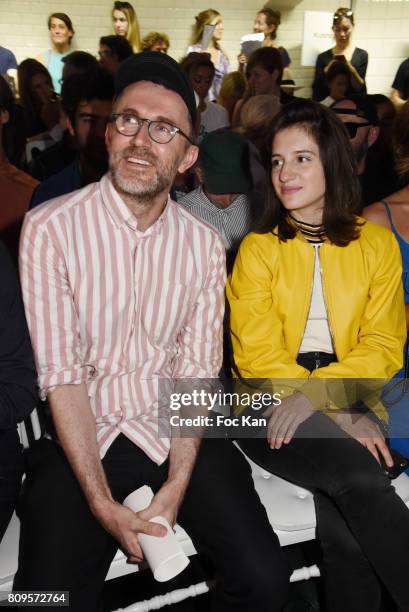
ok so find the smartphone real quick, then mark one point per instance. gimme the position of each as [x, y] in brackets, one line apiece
[340, 58]
[400, 464]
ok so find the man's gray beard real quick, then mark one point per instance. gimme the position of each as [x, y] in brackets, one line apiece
[141, 190]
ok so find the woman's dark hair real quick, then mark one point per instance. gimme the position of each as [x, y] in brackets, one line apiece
[119, 45]
[342, 13]
[13, 134]
[25, 72]
[272, 18]
[342, 190]
[268, 58]
[195, 60]
[336, 68]
[62, 17]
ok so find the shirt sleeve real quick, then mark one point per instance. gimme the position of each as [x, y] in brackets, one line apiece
[200, 342]
[50, 310]
[18, 390]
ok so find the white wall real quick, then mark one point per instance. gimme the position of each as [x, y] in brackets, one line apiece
[381, 28]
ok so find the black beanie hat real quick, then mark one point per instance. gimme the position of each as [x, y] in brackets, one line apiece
[157, 68]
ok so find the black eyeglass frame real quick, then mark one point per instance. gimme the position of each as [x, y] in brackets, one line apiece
[176, 130]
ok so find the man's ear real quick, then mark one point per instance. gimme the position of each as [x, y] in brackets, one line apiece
[4, 117]
[189, 158]
[70, 127]
[373, 135]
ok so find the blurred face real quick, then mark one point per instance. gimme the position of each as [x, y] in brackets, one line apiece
[91, 120]
[41, 87]
[142, 169]
[160, 46]
[218, 31]
[120, 23]
[338, 87]
[298, 175]
[60, 34]
[261, 81]
[202, 79]
[342, 31]
[260, 25]
[108, 59]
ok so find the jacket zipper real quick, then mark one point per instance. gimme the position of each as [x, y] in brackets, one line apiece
[307, 310]
[324, 293]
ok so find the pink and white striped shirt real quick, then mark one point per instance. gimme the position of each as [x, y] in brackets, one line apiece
[117, 308]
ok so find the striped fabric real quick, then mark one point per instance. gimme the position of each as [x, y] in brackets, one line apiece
[117, 308]
[313, 233]
[233, 222]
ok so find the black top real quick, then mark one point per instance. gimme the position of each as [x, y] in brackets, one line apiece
[359, 60]
[401, 81]
[18, 389]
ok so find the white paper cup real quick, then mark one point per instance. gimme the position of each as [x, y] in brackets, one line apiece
[165, 555]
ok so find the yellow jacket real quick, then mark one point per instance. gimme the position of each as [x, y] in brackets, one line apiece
[269, 293]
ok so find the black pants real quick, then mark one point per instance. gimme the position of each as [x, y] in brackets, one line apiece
[11, 472]
[363, 525]
[63, 547]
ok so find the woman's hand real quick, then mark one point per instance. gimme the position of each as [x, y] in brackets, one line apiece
[286, 418]
[367, 433]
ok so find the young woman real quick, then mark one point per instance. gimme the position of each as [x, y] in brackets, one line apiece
[267, 21]
[37, 97]
[393, 213]
[316, 299]
[356, 59]
[217, 55]
[125, 23]
[61, 33]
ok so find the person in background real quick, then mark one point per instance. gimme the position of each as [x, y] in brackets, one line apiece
[344, 50]
[256, 117]
[87, 103]
[7, 60]
[393, 213]
[61, 34]
[338, 78]
[16, 187]
[400, 85]
[316, 302]
[221, 63]
[386, 112]
[18, 388]
[37, 97]
[77, 62]
[267, 22]
[125, 23]
[155, 41]
[234, 87]
[264, 72]
[210, 116]
[112, 51]
[222, 199]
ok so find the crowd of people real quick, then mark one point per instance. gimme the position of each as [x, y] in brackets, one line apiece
[136, 193]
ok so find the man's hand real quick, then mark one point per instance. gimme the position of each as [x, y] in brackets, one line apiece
[165, 503]
[125, 525]
[367, 433]
[285, 419]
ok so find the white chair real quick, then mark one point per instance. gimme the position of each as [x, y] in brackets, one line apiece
[290, 510]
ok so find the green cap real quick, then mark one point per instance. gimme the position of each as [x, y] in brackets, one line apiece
[225, 161]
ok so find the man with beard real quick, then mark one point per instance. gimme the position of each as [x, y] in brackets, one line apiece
[374, 162]
[122, 287]
[87, 103]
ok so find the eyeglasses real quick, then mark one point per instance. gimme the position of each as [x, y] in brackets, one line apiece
[353, 127]
[161, 132]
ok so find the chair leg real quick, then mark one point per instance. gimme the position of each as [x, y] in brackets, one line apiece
[166, 600]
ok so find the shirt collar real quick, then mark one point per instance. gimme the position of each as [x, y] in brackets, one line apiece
[120, 213]
[240, 202]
